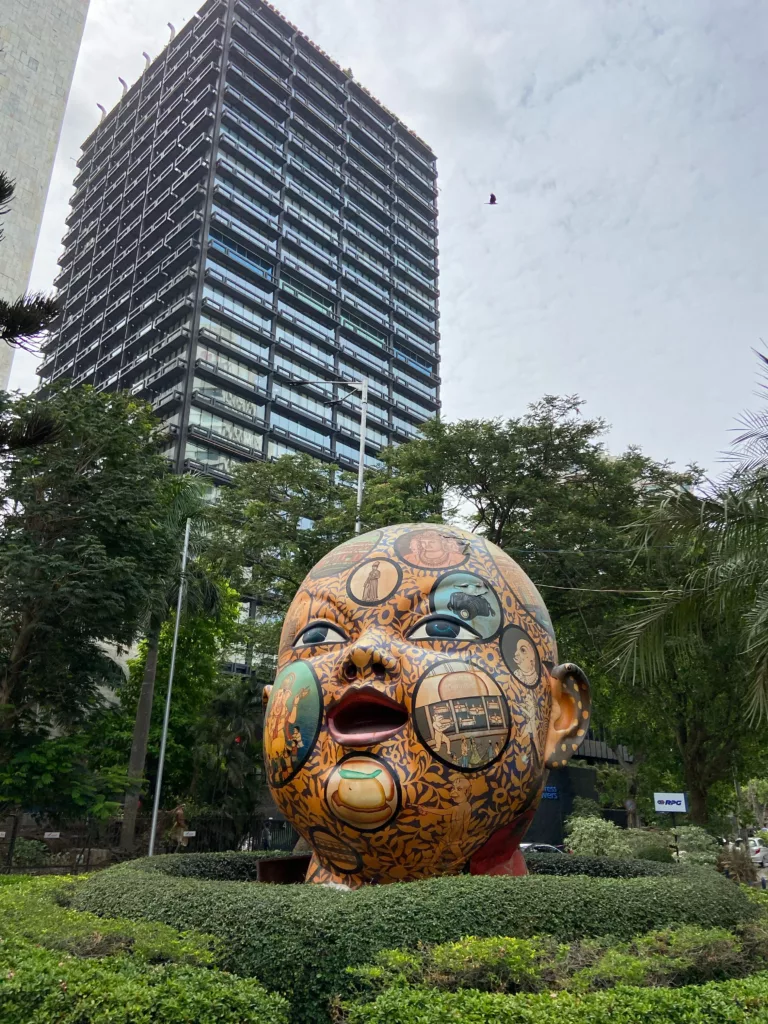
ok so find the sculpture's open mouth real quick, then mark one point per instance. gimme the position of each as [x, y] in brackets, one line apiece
[365, 716]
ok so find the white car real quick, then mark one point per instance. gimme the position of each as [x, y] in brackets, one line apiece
[758, 851]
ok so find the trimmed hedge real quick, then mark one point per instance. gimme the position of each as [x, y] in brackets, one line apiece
[731, 1002]
[223, 867]
[599, 867]
[300, 939]
[48, 988]
[60, 966]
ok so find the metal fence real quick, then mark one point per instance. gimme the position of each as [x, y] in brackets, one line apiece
[30, 846]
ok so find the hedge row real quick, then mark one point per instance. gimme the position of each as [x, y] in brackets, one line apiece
[299, 939]
[731, 1002]
[674, 957]
[59, 966]
[598, 867]
[223, 867]
[242, 867]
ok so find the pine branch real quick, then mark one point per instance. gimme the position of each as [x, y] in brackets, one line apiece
[23, 321]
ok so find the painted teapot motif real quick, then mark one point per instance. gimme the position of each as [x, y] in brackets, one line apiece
[417, 708]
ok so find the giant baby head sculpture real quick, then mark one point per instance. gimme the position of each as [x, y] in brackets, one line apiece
[417, 707]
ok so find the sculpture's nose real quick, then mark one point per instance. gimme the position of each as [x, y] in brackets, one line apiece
[371, 656]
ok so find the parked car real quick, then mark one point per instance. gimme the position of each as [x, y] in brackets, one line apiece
[758, 851]
[540, 848]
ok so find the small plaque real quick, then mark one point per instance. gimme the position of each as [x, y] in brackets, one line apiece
[51, 835]
[190, 835]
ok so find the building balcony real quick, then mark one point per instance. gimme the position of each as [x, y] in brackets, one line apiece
[382, 145]
[258, 95]
[409, 145]
[314, 275]
[263, 25]
[356, 210]
[426, 323]
[255, 39]
[316, 111]
[323, 207]
[333, 77]
[162, 376]
[415, 251]
[366, 238]
[309, 245]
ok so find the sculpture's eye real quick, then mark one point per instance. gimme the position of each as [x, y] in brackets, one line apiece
[442, 627]
[317, 633]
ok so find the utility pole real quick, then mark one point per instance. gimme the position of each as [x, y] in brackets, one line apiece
[167, 715]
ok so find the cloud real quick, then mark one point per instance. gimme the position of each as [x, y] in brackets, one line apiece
[626, 143]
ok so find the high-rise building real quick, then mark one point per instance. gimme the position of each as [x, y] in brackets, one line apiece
[39, 42]
[249, 219]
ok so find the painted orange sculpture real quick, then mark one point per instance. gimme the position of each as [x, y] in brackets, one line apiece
[417, 708]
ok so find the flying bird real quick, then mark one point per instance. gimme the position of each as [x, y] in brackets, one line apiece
[492, 200]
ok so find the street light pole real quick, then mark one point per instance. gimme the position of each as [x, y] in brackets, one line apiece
[167, 715]
[362, 385]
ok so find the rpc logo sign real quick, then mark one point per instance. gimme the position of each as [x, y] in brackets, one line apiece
[670, 803]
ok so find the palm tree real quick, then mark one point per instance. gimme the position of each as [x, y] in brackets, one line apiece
[23, 320]
[203, 597]
[719, 539]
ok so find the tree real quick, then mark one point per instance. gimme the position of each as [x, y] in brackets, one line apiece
[719, 534]
[23, 320]
[79, 553]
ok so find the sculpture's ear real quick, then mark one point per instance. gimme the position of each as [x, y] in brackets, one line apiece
[265, 696]
[569, 719]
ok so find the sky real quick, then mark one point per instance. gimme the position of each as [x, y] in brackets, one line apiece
[626, 142]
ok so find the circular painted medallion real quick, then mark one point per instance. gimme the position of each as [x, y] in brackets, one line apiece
[470, 598]
[292, 722]
[346, 556]
[363, 792]
[374, 581]
[461, 715]
[521, 656]
[432, 548]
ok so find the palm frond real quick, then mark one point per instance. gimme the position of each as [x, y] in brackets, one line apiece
[640, 646]
[7, 189]
[41, 427]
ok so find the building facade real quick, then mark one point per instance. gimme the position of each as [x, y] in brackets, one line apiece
[39, 42]
[248, 221]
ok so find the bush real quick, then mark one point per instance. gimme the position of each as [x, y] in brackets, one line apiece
[44, 987]
[673, 957]
[584, 807]
[224, 867]
[30, 853]
[601, 867]
[659, 854]
[597, 838]
[696, 845]
[300, 939]
[731, 1002]
[60, 966]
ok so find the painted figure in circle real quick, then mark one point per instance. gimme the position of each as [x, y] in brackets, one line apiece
[371, 586]
[418, 707]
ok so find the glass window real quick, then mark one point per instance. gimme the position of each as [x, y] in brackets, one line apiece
[275, 450]
[294, 397]
[412, 359]
[242, 284]
[233, 337]
[298, 341]
[250, 145]
[242, 310]
[237, 403]
[354, 455]
[222, 242]
[249, 196]
[353, 426]
[211, 458]
[307, 321]
[425, 389]
[405, 426]
[355, 324]
[312, 217]
[247, 230]
[211, 421]
[295, 287]
[368, 357]
[232, 367]
[373, 384]
[254, 126]
[411, 403]
[300, 430]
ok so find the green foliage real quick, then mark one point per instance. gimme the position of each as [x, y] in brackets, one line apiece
[672, 957]
[30, 853]
[224, 867]
[612, 785]
[743, 1001]
[594, 837]
[584, 807]
[61, 966]
[56, 775]
[601, 867]
[696, 845]
[650, 844]
[299, 939]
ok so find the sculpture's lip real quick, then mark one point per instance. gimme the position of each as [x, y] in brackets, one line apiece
[364, 716]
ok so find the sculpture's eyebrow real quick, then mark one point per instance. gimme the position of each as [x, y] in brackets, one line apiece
[339, 607]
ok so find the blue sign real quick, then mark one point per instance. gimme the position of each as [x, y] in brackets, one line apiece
[550, 793]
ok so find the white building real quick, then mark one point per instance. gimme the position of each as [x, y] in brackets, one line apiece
[39, 42]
